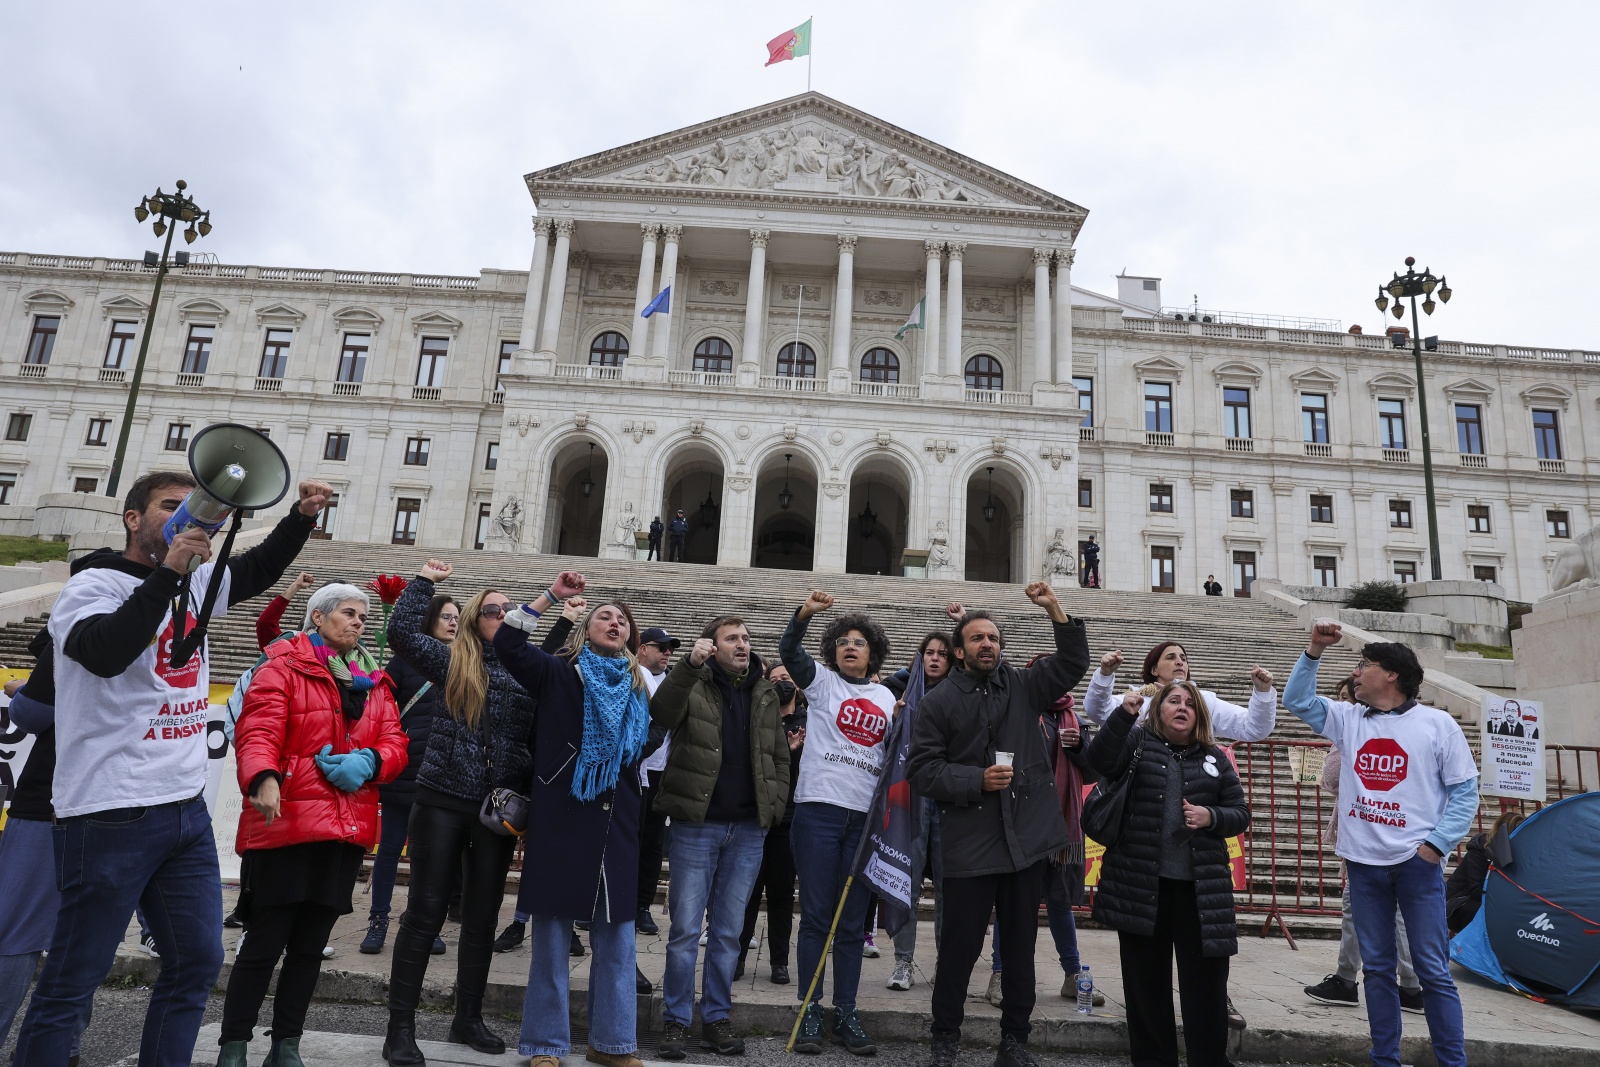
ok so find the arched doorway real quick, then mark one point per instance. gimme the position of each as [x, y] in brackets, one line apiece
[694, 486]
[994, 526]
[577, 497]
[786, 513]
[878, 516]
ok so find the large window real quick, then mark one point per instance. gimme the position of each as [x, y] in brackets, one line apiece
[1327, 570]
[431, 361]
[99, 431]
[1314, 418]
[1161, 498]
[336, 447]
[1546, 435]
[1242, 503]
[984, 372]
[177, 437]
[1162, 569]
[407, 510]
[18, 425]
[120, 347]
[197, 351]
[1236, 412]
[880, 365]
[502, 366]
[1085, 493]
[481, 538]
[85, 485]
[1400, 514]
[8, 486]
[1085, 388]
[275, 354]
[417, 451]
[797, 360]
[713, 356]
[491, 456]
[1321, 507]
[353, 357]
[1244, 572]
[607, 350]
[1157, 407]
[1556, 524]
[1478, 518]
[1392, 423]
[1483, 574]
[1405, 571]
[43, 339]
[1469, 429]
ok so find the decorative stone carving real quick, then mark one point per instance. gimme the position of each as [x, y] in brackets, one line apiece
[522, 424]
[609, 280]
[933, 249]
[834, 489]
[999, 445]
[883, 297]
[581, 419]
[1577, 566]
[994, 305]
[649, 230]
[742, 433]
[697, 426]
[758, 238]
[813, 293]
[509, 519]
[739, 483]
[1056, 455]
[884, 438]
[939, 548]
[1058, 557]
[1065, 257]
[671, 233]
[847, 243]
[627, 526]
[939, 446]
[564, 227]
[809, 158]
[639, 427]
[790, 432]
[955, 249]
[836, 438]
[718, 287]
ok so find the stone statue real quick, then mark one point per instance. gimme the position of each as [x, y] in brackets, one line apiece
[627, 526]
[939, 547]
[1058, 556]
[509, 520]
[1577, 566]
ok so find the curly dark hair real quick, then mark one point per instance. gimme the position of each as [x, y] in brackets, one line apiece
[877, 641]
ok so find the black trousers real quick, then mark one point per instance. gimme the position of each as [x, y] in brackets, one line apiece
[297, 932]
[675, 550]
[655, 550]
[777, 880]
[652, 842]
[1147, 986]
[440, 839]
[1014, 901]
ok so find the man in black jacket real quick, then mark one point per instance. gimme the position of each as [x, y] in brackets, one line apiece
[657, 528]
[977, 751]
[131, 768]
[677, 533]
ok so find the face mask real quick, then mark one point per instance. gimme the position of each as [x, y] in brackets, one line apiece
[785, 690]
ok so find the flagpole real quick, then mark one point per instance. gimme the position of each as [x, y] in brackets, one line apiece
[808, 54]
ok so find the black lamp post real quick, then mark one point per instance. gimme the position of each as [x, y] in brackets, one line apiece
[587, 485]
[1413, 284]
[988, 504]
[709, 510]
[785, 498]
[164, 206]
[867, 521]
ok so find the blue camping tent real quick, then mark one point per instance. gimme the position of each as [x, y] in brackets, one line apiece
[1538, 930]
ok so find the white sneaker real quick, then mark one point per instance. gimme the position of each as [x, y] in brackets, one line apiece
[902, 975]
[238, 946]
[149, 944]
[868, 949]
[752, 944]
[327, 952]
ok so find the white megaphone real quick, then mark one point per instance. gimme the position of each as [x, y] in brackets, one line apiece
[237, 467]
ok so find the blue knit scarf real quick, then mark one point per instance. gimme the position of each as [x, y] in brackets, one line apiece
[616, 722]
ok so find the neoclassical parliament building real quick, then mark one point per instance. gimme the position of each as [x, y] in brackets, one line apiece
[783, 406]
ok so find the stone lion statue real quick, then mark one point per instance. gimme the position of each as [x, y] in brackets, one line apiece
[1578, 565]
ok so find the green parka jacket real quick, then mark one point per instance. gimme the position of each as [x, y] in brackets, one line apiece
[688, 705]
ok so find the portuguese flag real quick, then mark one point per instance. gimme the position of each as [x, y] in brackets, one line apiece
[790, 44]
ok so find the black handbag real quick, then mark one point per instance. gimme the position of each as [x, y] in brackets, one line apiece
[1105, 810]
[505, 811]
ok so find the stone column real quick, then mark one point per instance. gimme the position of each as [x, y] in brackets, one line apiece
[1063, 346]
[530, 304]
[930, 343]
[639, 344]
[1041, 315]
[843, 309]
[755, 310]
[555, 293]
[952, 335]
[662, 329]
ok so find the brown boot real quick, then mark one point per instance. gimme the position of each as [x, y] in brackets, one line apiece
[610, 1059]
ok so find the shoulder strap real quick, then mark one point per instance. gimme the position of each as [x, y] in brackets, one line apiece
[414, 698]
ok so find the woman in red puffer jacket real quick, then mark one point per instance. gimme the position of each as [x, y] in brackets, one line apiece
[319, 732]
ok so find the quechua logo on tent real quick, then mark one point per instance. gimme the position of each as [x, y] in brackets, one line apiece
[1541, 923]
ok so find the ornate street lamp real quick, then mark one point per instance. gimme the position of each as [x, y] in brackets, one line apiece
[709, 510]
[164, 206]
[1413, 284]
[587, 485]
[867, 521]
[988, 505]
[785, 498]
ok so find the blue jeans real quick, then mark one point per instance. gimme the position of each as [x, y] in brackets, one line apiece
[613, 1000]
[1416, 888]
[16, 975]
[1063, 930]
[164, 859]
[714, 868]
[824, 838]
[391, 842]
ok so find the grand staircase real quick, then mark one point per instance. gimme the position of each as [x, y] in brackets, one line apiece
[1223, 636]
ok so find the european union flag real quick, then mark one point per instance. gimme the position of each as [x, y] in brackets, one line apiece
[662, 303]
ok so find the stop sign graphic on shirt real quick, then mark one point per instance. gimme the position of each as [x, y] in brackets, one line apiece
[862, 721]
[1381, 764]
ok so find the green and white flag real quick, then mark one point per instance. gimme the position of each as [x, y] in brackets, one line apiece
[917, 320]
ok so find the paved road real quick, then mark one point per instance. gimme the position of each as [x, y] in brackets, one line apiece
[113, 1037]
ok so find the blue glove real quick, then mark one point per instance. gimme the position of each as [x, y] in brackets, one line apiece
[347, 771]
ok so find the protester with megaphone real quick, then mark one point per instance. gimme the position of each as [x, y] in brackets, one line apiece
[131, 821]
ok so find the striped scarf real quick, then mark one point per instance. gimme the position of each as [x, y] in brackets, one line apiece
[616, 723]
[355, 672]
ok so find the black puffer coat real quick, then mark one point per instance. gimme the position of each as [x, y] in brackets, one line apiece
[1130, 873]
[417, 723]
[455, 763]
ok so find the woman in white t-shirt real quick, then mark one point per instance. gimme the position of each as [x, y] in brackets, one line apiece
[848, 718]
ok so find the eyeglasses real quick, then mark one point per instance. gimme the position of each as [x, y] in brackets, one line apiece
[492, 611]
[850, 642]
[1362, 665]
[449, 618]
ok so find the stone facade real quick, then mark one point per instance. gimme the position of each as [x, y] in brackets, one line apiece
[779, 403]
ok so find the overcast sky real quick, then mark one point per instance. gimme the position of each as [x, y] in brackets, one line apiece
[1268, 157]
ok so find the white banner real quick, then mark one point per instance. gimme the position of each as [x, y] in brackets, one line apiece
[1513, 749]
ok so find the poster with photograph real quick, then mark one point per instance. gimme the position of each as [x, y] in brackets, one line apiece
[1513, 749]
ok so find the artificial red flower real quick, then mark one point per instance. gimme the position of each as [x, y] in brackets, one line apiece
[388, 587]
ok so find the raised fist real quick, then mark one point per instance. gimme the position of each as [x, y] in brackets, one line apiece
[954, 611]
[817, 602]
[1260, 678]
[568, 584]
[1324, 634]
[1133, 703]
[436, 570]
[702, 650]
[1111, 661]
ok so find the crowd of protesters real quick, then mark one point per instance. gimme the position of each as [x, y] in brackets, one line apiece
[752, 777]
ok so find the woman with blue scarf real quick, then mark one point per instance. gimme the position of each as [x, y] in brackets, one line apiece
[583, 822]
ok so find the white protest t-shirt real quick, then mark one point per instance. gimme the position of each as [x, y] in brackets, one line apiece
[658, 759]
[138, 739]
[1395, 776]
[845, 727]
